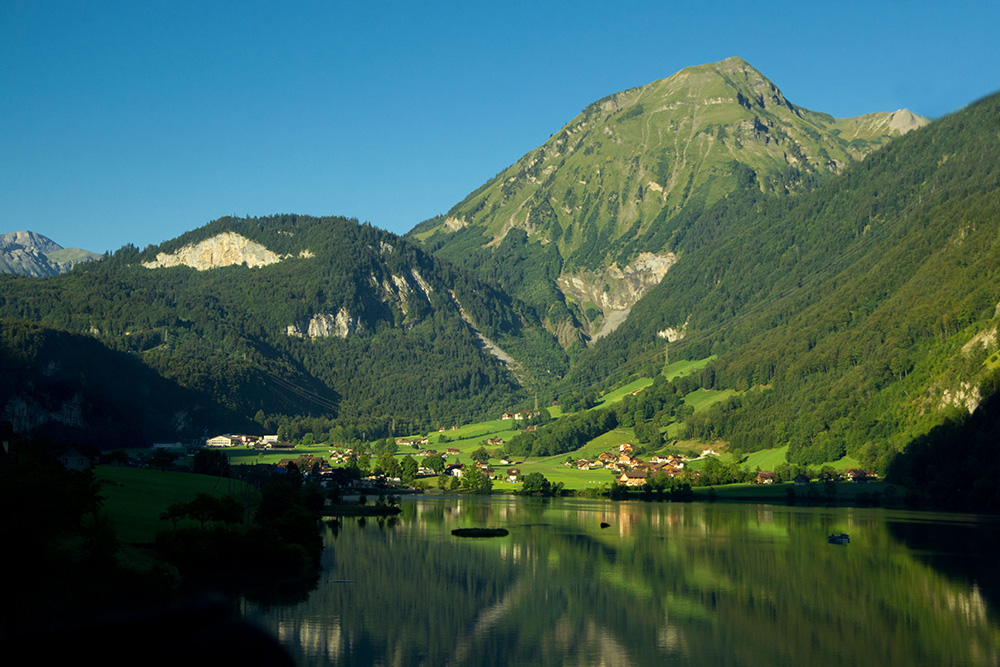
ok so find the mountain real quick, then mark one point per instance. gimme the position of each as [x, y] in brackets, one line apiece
[70, 389]
[850, 319]
[293, 315]
[590, 218]
[30, 254]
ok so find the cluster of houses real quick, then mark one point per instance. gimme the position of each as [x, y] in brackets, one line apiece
[856, 475]
[244, 440]
[520, 416]
[631, 470]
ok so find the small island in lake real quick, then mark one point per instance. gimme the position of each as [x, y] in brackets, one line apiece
[479, 532]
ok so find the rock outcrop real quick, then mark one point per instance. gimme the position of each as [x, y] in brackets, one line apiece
[226, 249]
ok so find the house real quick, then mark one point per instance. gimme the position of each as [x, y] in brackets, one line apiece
[513, 474]
[452, 450]
[633, 478]
[282, 445]
[75, 458]
[507, 415]
[858, 476]
[625, 448]
[765, 477]
[221, 441]
[170, 446]
[494, 441]
[455, 469]
[801, 480]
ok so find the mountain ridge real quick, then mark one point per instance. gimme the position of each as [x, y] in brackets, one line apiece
[610, 184]
[28, 253]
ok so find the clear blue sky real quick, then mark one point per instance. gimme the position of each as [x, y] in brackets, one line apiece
[135, 121]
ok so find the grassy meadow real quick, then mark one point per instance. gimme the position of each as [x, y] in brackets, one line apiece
[135, 497]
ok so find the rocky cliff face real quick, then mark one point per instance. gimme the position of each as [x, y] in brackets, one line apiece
[323, 325]
[226, 249]
[615, 290]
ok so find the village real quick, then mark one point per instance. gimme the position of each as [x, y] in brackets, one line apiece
[626, 467]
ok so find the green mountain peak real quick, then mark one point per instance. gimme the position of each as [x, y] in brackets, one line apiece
[611, 184]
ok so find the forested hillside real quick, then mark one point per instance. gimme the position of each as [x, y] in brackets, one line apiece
[338, 320]
[850, 319]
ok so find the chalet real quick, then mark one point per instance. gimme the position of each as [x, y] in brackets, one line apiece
[632, 478]
[606, 458]
[625, 448]
[801, 480]
[513, 474]
[669, 459]
[455, 469]
[428, 452]
[583, 464]
[75, 458]
[765, 477]
[282, 445]
[505, 462]
[494, 441]
[221, 441]
[452, 450]
[169, 446]
[859, 476]
[507, 415]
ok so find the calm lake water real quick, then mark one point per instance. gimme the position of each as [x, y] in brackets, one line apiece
[663, 584]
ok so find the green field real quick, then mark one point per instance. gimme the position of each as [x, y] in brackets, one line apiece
[620, 393]
[699, 399]
[135, 497]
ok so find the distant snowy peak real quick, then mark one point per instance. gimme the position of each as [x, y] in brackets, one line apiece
[28, 253]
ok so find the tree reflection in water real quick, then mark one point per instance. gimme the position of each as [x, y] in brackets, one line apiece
[664, 584]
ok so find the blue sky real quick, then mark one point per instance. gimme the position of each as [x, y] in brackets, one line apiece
[133, 122]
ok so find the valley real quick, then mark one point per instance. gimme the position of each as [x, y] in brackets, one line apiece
[829, 283]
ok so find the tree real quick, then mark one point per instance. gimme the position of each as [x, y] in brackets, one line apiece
[477, 482]
[210, 462]
[435, 463]
[535, 483]
[408, 467]
[161, 458]
[204, 508]
[480, 454]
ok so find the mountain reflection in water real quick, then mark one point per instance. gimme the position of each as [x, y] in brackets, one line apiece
[669, 584]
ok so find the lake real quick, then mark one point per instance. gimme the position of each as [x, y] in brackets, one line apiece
[662, 584]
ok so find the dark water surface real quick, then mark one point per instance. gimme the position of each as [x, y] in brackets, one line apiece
[664, 584]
